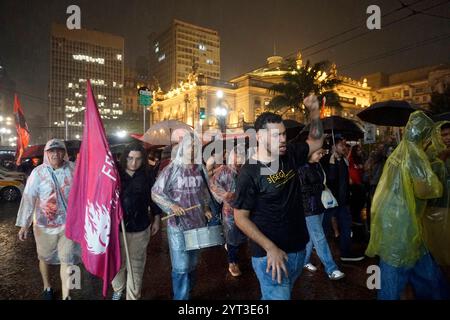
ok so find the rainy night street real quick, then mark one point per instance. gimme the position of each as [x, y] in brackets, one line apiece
[20, 278]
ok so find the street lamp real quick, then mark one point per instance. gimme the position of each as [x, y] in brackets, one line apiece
[220, 111]
[221, 114]
[121, 134]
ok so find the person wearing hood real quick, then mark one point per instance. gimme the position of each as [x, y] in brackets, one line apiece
[44, 204]
[399, 203]
[181, 190]
[223, 187]
[436, 220]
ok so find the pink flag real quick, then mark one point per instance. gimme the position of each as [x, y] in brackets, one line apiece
[94, 211]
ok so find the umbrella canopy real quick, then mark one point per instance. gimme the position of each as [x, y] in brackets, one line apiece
[345, 127]
[393, 113]
[160, 133]
[293, 128]
[441, 117]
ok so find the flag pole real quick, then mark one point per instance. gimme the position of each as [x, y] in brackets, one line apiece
[127, 254]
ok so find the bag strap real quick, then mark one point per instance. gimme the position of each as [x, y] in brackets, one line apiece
[209, 191]
[324, 176]
[58, 189]
[207, 185]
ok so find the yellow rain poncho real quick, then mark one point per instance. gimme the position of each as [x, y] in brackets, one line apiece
[401, 197]
[436, 220]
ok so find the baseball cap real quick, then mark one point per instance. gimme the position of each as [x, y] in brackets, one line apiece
[55, 144]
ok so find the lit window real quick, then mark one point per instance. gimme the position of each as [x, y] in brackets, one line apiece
[119, 57]
[162, 57]
[209, 61]
[156, 49]
[202, 47]
[82, 57]
[70, 85]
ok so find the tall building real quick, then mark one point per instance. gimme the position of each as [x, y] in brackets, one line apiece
[75, 57]
[7, 88]
[7, 126]
[133, 112]
[183, 46]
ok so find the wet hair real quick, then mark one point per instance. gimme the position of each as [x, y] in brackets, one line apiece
[265, 118]
[135, 146]
[445, 126]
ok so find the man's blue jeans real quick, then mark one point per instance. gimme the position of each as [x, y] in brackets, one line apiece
[271, 289]
[344, 220]
[319, 241]
[183, 264]
[425, 277]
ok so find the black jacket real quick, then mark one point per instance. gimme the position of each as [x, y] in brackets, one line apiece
[338, 179]
[311, 186]
[136, 198]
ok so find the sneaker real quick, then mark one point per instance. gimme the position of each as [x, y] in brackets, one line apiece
[234, 269]
[336, 275]
[352, 257]
[310, 267]
[48, 294]
[117, 295]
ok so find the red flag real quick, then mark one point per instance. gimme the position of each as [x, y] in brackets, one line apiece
[23, 135]
[94, 211]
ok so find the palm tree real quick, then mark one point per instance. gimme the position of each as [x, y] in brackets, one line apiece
[298, 82]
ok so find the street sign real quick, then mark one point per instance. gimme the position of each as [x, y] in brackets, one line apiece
[369, 133]
[145, 97]
[202, 113]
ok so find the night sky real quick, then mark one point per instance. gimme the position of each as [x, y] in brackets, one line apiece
[248, 31]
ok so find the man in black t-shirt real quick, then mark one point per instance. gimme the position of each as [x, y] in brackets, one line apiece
[267, 205]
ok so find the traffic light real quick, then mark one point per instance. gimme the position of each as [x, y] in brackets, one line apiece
[202, 113]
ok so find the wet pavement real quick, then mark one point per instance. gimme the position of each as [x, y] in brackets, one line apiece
[20, 278]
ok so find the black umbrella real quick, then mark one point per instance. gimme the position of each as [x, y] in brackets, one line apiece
[392, 113]
[293, 128]
[349, 129]
[442, 117]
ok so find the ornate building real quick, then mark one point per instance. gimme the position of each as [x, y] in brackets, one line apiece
[414, 86]
[244, 97]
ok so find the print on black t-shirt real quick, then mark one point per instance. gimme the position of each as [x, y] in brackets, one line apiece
[274, 201]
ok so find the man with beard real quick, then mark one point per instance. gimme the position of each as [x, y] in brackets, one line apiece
[267, 207]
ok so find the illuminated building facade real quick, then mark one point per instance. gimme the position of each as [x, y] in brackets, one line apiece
[245, 97]
[174, 52]
[75, 57]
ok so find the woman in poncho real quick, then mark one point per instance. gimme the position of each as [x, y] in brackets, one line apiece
[436, 220]
[399, 202]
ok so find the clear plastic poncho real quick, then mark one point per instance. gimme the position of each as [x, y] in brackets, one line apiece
[436, 220]
[182, 183]
[401, 197]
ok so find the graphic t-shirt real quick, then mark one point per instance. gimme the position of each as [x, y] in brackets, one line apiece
[274, 200]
